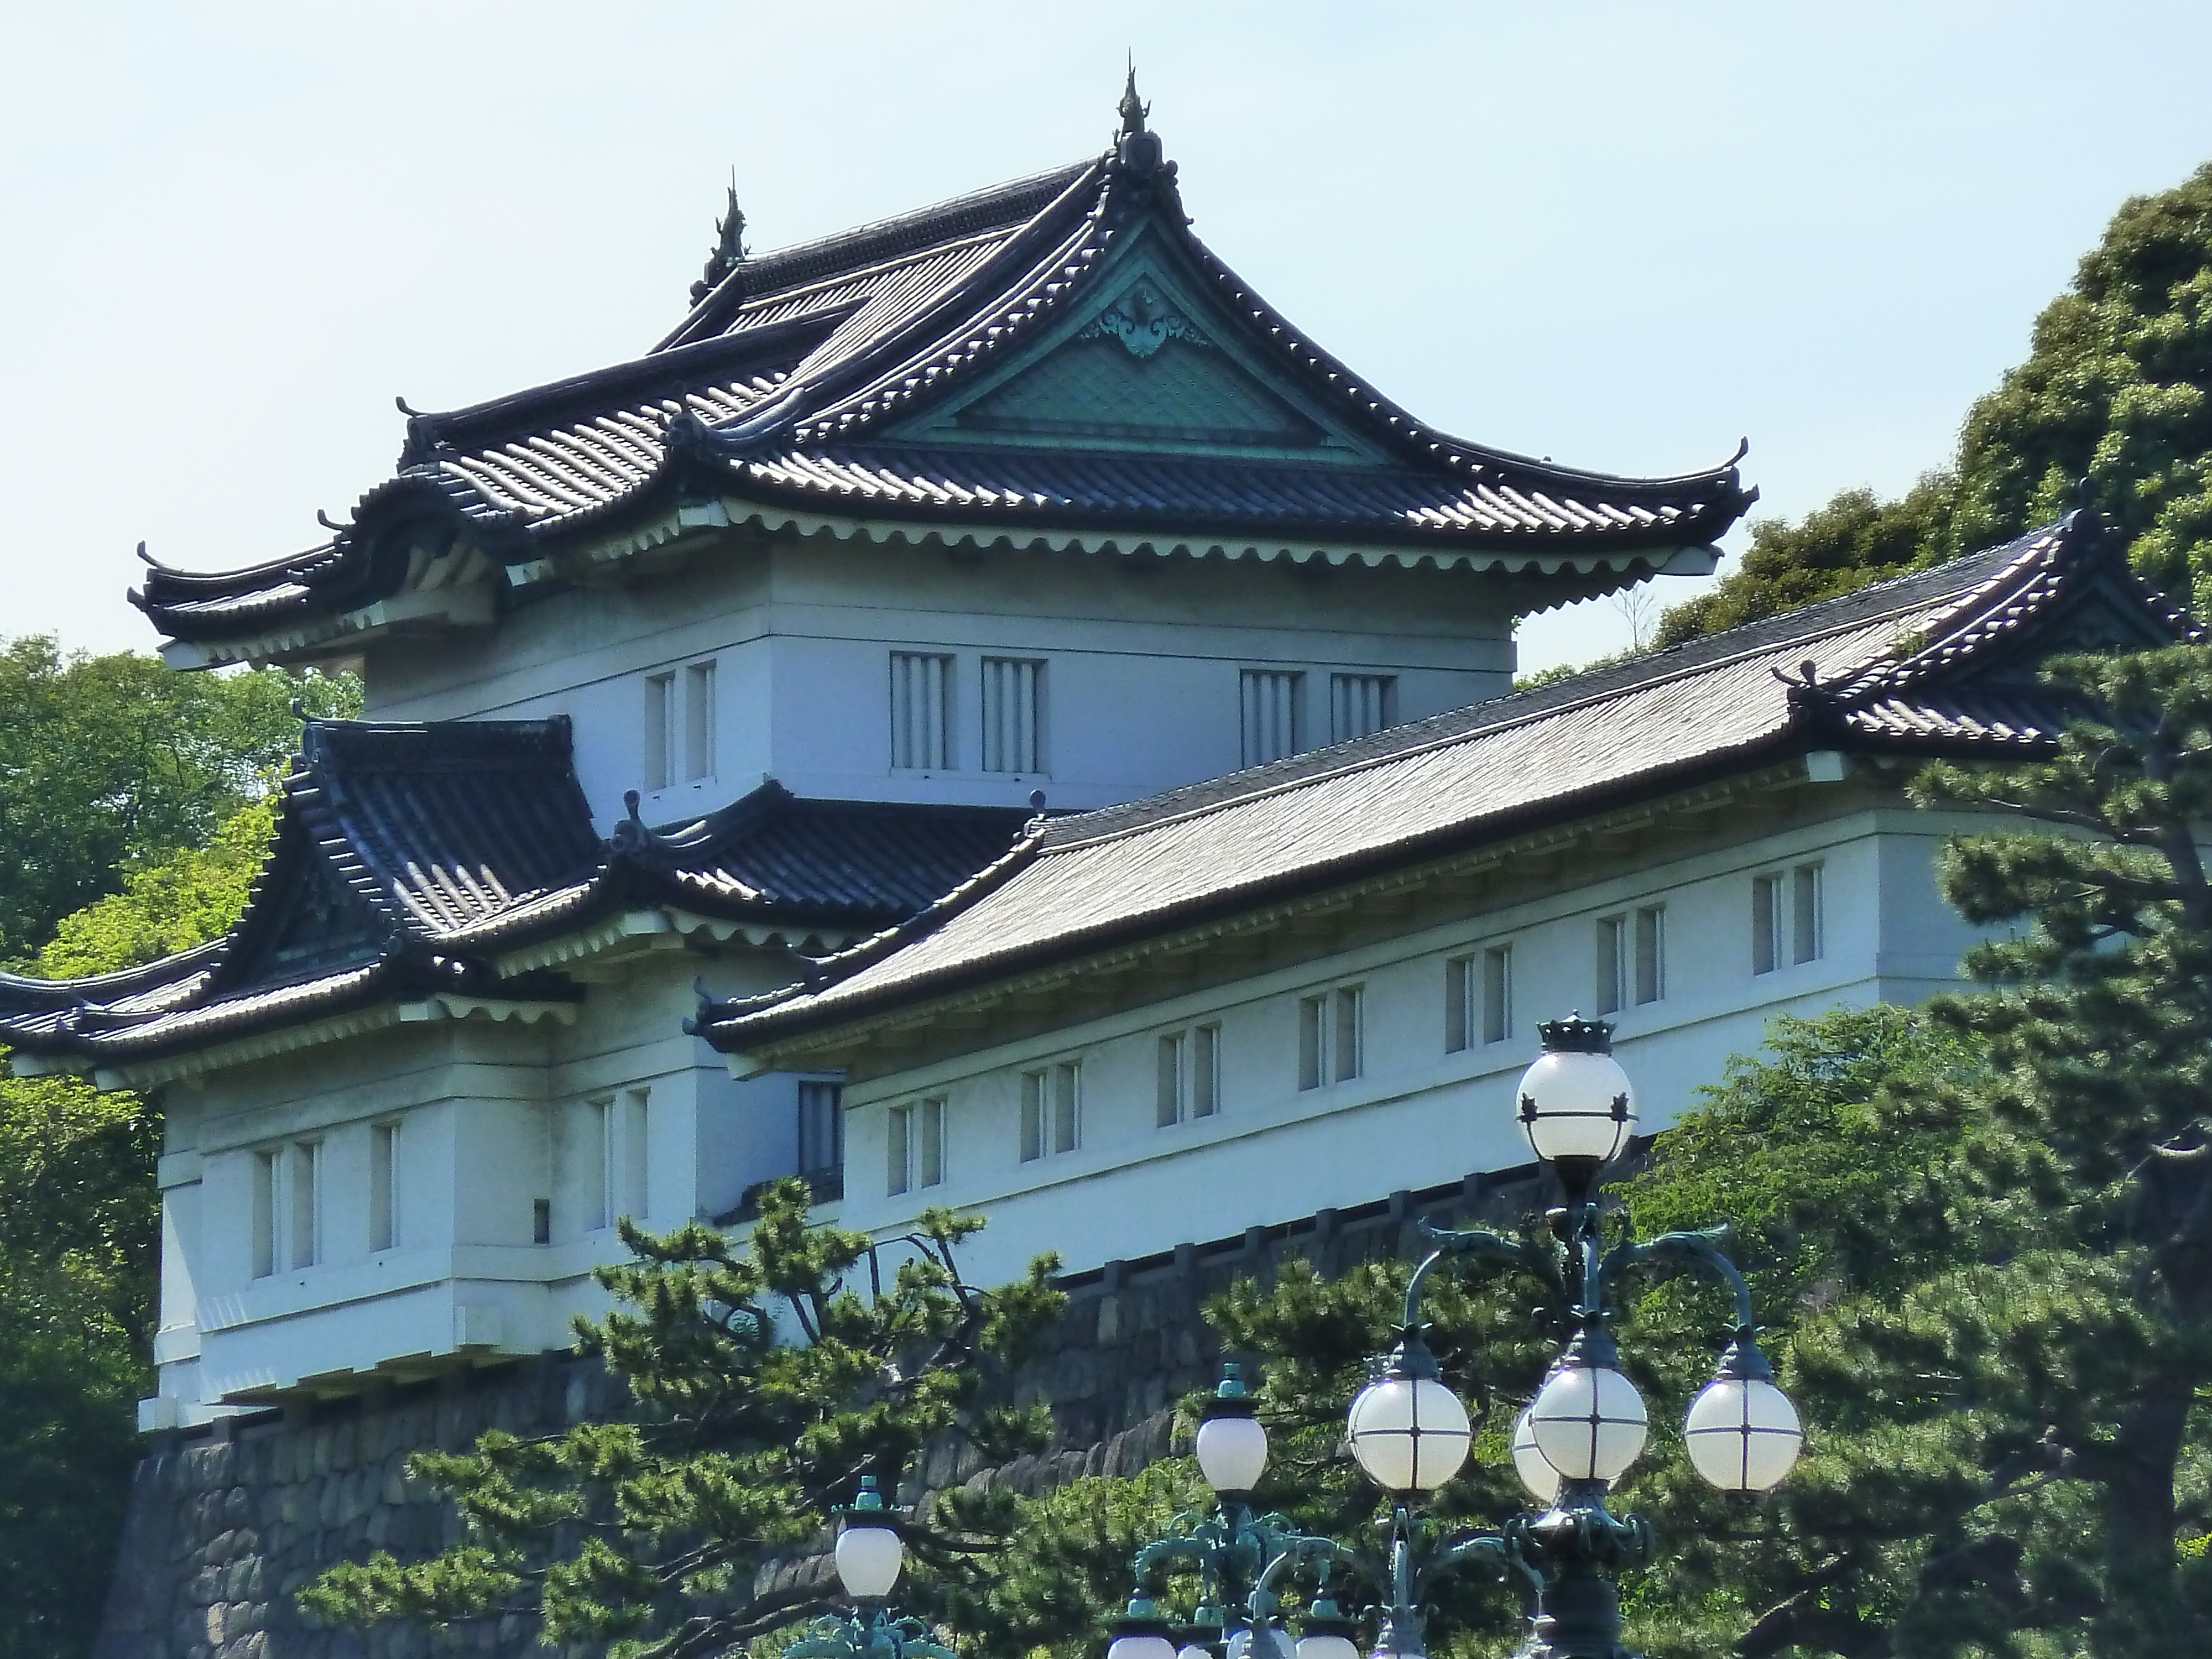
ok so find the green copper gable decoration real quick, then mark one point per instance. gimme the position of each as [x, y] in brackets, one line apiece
[1150, 364]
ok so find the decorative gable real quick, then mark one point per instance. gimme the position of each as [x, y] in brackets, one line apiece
[1145, 366]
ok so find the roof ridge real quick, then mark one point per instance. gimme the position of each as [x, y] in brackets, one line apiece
[763, 275]
[1605, 681]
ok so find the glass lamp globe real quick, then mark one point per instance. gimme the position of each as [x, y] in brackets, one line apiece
[1577, 1104]
[869, 1549]
[1542, 1479]
[1588, 1423]
[1194, 1651]
[1327, 1634]
[1408, 1433]
[1743, 1434]
[1232, 1446]
[1263, 1642]
[1141, 1645]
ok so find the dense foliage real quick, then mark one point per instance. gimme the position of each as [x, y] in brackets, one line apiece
[767, 1382]
[2114, 390]
[109, 764]
[137, 794]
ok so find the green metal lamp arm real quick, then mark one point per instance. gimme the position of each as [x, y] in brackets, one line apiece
[1475, 1242]
[1701, 1249]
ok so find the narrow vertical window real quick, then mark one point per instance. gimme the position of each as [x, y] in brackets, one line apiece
[1610, 989]
[264, 1214]
[821, 1138]
[1066, 1106]
[1313, 1023]
[1350, 1002]
[1498, 994]
[699, 721]
[1807, 943]
[898, 1174]
[636, 1155]
[1459, 1004]
[306, 1207]
[929, 1153]
[541, 1221]
[921, 712]
[1765, 924]
[1033, 1115]
[383, 1186]
[1013, 715]
[659, 755]
[1204, 1070]
[1170, 1105]
[1271, 698]
[1359, 704]
[596, 1166]
[1650, 953]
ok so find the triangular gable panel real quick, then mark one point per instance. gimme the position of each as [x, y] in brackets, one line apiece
[314, 921]
[1149, 365]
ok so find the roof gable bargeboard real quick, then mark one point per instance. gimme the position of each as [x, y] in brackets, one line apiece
[1888, 669]
[1150, 362]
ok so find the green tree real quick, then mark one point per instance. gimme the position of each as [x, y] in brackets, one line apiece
[2114, 391]
[107, 763]
[767, 1383]
[79, 1218]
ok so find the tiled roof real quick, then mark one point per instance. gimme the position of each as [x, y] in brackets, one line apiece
[413, 859]
[793, 386]
[1937, 662]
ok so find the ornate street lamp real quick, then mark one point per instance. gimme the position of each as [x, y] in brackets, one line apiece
[1582, 1432]
[871, 1551]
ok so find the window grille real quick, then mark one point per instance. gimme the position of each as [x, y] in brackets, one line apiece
[1204, 1070]
[1190, 1085]
[265, 1182]
[306, 1204]
[1013, 715]
[1172, 1102]
[636, 1155]
[596, 1164]
[1650, 953]
[1807, 937]
[383, 1186]
[1052, 1109]
[1329, 1036]
[921, 712]
[699, 721]
[1765, 924]
[916, 1145]
[1612, 990]
[1361, 703]
[1271, 699]
[1498, 994]
[659, 730]
[821, 1138]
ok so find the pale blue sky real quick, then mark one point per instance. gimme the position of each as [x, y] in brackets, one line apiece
[1619, 235]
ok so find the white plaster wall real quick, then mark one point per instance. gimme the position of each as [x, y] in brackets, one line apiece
[1417, 1116]
[1143, 660]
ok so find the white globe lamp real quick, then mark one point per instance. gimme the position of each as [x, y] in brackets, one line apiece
[1588, 1421]
[1742, 1433]
[1576, 1106]
[1408, 1431]
[1232, 1445]
[870, 1551]
[1542, 1479]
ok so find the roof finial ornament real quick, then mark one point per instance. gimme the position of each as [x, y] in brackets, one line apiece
[729, 246]
[1133, 109]
[1137, 150]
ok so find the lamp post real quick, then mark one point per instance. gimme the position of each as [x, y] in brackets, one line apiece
[1586, 1427]
[871, 1550]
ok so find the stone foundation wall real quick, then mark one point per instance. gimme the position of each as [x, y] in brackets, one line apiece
[225, 1525]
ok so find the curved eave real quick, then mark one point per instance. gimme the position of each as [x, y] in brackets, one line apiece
[776, 1034]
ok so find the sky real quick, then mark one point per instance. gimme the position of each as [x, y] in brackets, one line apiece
[1621, 235]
